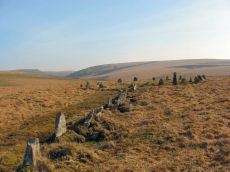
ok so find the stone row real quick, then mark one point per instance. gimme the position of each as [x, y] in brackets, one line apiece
[32, 153]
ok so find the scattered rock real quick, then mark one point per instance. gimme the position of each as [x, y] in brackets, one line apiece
[119, 80]
[108, 145]
[121, 98]
[94, 127]
[125, 108]
[100, 85]
[60, 153]
[199, 78]
[84, 157]
[132, 99]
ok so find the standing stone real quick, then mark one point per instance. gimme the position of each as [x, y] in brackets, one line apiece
[119, 80]
[32, 152]
[204, 77]
[87, 85]
[167, 78]
[60, 124]
[135, 79]
[196, 80]
[174, 78]
[121, 97]
[100, 85]
[200, 77]
[110, 101]
[132, 87]
[161, 82]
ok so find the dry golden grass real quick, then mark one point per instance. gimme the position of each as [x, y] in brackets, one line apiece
[172, 128]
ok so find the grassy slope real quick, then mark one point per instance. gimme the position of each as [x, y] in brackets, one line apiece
[149, 69]
[172, 128]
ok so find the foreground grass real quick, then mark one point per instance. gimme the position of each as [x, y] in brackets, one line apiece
[172, 128]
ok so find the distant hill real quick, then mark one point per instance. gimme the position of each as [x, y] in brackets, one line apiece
[37, 72]
[146, 70]
[103, 69]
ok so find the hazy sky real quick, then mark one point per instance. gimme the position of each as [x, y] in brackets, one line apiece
[74, 34]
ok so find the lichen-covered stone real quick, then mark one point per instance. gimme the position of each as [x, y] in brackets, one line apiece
[32, 152]
[60, 124]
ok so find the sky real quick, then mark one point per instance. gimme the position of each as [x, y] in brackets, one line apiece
[75, 34]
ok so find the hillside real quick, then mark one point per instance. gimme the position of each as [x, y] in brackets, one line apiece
[146, 70]
[170, 128]
[103, 69]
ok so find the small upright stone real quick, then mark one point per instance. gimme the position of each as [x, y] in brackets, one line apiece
[200, 77]
[60, 124]
[204, 77]
[135, 79]
[100, 85]
[196, 80]
[167, 78]
[161, 82]
[110, 101]
[132, 87]
[119, 80]
[183, 81]
[32, 152]
[87, 85]
[121, 97]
